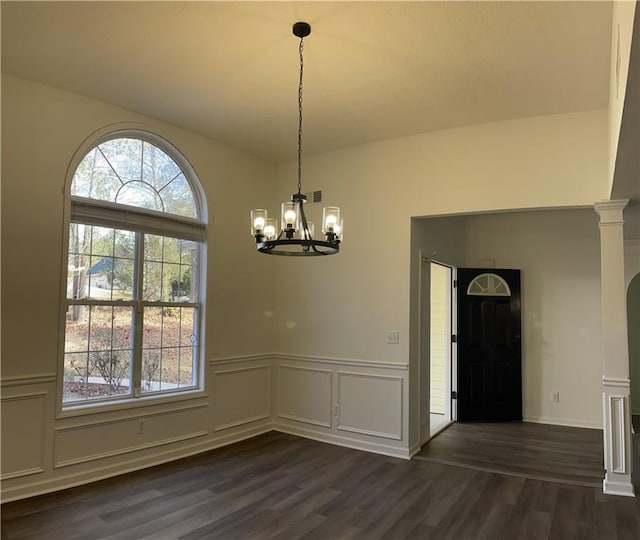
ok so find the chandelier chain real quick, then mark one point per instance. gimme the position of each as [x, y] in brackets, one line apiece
[300, 49]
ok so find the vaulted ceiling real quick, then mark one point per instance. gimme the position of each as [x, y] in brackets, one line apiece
[373, 70]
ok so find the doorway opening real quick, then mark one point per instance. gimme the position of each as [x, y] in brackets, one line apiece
[440, 353]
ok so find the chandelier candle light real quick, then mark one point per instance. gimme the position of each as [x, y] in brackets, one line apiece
[295, 235]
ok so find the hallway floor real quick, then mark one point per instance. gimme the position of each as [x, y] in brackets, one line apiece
[544, 452]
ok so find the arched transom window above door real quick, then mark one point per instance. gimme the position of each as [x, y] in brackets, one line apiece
[488, 285]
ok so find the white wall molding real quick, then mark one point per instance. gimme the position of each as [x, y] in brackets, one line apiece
[69, 478]
[83, 442]
[132, 404]
[348, 442]
[618, 444]
[128, 449]
[341, 361]
[239, 359]
[43, 378]
[23, 455]
[241, 369]
[119, 420]
[568, 422]
[616, 382]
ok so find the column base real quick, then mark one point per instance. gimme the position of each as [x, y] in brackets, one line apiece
[622, 487]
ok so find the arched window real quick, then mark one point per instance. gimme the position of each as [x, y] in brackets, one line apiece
[135, 265]
[488, 285]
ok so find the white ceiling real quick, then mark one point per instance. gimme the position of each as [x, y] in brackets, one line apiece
[373, 70]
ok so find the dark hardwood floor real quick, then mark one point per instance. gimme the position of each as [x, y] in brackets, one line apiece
[557, 453]
[284, 487]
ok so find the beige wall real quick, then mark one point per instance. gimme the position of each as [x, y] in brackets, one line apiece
[41, 129]
[558, 252]
[621, 37]
[550, 161]
[350, 302]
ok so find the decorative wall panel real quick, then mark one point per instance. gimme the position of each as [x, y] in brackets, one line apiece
[96, 440]
[370, 404]
[23, 420]
[241, 395]
[304, 394]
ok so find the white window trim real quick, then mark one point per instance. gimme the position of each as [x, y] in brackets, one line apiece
[486, 292]
[114, 215]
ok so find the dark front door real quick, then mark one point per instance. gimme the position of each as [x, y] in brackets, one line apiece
[489, 349]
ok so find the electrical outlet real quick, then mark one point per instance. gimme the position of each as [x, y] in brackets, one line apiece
[336, 409]
[393, 337]
[555, 397]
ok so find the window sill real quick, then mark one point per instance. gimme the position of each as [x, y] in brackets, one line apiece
[129, 404]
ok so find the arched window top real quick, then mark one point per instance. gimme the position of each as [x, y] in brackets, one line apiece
[132, 171]
[488, 285]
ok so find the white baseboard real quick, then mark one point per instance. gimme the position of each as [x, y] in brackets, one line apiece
[348, 442]
[618, 488]
[569, 422]
[86, 476]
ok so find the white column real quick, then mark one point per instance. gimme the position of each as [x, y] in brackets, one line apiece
[616, 388]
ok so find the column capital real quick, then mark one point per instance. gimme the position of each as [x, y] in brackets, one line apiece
[610, 210]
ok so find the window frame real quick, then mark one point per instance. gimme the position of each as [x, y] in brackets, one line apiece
[140, 221]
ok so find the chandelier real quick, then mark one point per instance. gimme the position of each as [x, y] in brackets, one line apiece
[295, 235]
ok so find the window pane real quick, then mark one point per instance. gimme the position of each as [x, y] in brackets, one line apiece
[186, 367]
[125, 157]
[78, 261]
[178, 198]
[158, 168]
[140, 195]
[76, 377]
[170, 368]
[152, 284]
[95, 179]
[189, 282]
[151, 380]
[169, 268]
[92, 270]
[103, 334]
[169, 348]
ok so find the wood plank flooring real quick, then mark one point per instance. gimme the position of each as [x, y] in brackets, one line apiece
[544, 452]
[278, 486]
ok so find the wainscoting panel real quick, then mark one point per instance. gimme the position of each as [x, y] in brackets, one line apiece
[23, 421]
[97, 440]
[241, 395]
[304, 394]
[370, 404]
